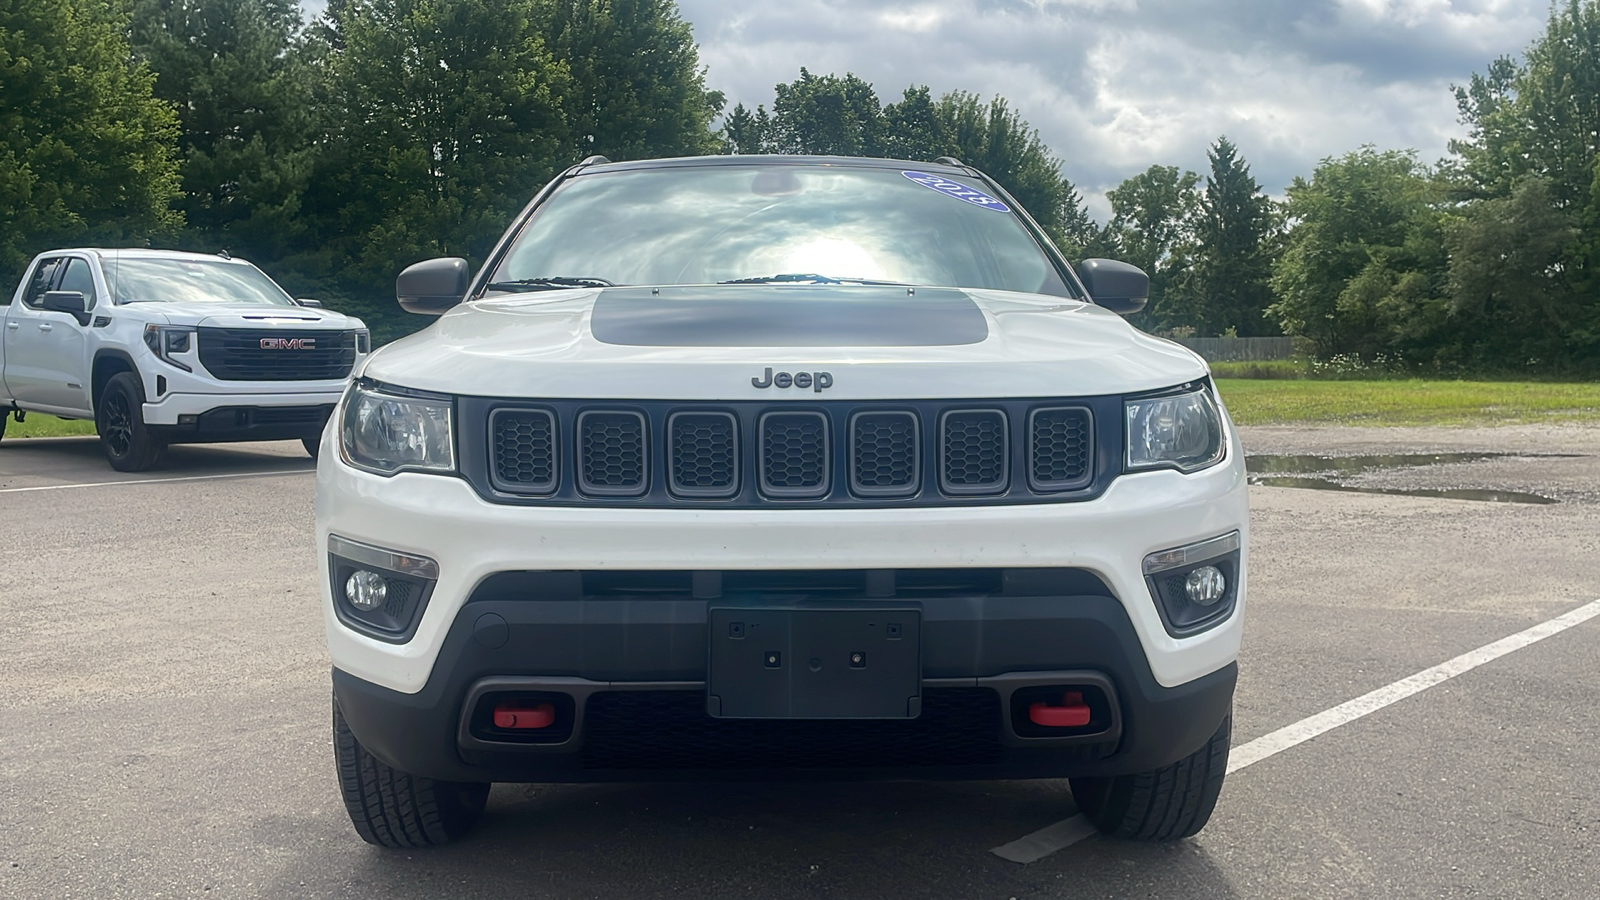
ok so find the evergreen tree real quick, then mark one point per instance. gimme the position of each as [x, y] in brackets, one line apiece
[86, 151]
[238, 76]
[1229, 281]
[637, 89]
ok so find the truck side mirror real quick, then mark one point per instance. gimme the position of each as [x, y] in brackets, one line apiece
[432, 286]
[308, 303]
[73, 303]
[1117, 286]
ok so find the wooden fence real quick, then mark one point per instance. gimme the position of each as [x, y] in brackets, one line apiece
[1251, 349]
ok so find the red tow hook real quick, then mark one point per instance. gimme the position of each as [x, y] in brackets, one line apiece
[522, 716]
[1072, 713]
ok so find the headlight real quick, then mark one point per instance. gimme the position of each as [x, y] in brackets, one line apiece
[1181, 431]
[387, 433]
[166, 340]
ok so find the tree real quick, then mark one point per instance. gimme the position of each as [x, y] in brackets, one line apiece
[1229, 282]
[827, 115]
[1510, 279]
[637, 89]
[86, 150]
[444, 118]
[1152, 224]
[238, 75]
[997, 140]
[1363, 267]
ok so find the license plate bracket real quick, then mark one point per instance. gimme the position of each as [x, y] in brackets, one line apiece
[815, 662]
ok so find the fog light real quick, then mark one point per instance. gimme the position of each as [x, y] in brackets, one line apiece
[1205, 586]
[366, 590]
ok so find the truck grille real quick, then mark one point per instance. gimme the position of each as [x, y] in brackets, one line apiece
[277, 354]
[752, 454]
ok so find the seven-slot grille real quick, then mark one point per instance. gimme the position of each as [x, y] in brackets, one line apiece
[835, 453]
[276, 354]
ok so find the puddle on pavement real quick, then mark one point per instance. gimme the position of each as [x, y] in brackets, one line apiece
[1324, 473]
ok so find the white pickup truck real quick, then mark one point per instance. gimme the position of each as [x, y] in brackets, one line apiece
[159, 347]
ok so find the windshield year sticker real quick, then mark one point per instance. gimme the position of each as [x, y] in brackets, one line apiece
[957, 190]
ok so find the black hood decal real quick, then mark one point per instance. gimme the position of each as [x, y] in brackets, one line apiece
[787, 316]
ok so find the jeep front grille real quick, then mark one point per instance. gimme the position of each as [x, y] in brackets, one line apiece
[524, 446]
[794, 454]
[612, 453]
[975, 456]
[705, 454]
[885, 454]
[829, 453]
[1062, 444]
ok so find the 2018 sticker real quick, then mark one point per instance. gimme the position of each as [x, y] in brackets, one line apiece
[957, 190]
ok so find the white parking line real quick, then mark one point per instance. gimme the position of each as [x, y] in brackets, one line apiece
[95, 484]
[1067, 832]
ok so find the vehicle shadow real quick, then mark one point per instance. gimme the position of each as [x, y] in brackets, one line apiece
[80, 459]
[769, 841]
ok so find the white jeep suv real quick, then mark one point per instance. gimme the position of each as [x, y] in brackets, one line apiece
[760, 466]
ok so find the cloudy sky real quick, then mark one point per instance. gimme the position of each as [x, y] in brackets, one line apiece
[1115, 86]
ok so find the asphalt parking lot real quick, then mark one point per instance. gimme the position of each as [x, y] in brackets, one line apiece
[164, 712]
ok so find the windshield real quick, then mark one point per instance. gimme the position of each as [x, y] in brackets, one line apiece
[192, 281]
[775, 223]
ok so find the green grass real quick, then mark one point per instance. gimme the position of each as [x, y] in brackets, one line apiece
[1407, 402]
[40, 425]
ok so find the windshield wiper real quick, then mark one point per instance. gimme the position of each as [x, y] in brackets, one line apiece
[548, 284]
[806, 278]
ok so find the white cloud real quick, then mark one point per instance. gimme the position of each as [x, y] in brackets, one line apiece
[1115, 86]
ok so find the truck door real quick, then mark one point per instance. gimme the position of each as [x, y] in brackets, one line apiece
[46, 364]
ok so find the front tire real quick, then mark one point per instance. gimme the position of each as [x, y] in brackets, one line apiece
[1168, 804]
[312, 445]
[119, 418]
[395, 809]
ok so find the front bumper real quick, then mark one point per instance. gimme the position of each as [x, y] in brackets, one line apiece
[170, 408]
[631, 657]
[631, 675]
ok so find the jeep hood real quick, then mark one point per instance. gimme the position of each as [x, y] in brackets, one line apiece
[717, 343]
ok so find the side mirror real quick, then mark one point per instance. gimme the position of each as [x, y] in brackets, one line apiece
[73, 303]
[309, 304]
[1117, 286]
[432, 286]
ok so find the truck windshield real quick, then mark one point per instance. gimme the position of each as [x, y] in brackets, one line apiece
[145, 280]
[776, 223]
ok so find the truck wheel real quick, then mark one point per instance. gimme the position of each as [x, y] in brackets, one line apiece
[395, 809]
[5, 416]
[1164, 805]
[129, 445]
[312, 444]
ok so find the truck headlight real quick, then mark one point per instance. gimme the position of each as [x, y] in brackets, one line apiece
[1177, 431]
[167, 340]
[388, 432]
